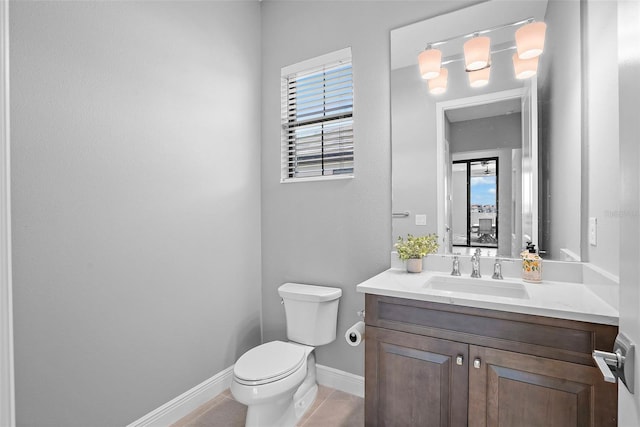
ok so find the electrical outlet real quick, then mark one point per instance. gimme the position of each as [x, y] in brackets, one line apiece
[593, 231]
[421, 219]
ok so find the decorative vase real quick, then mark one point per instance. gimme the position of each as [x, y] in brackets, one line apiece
[414, 265]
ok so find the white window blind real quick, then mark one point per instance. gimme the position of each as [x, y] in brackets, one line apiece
[317, 118]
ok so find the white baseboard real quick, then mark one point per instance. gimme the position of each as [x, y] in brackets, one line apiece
[190, 400]
[340, 380]
[187, 402]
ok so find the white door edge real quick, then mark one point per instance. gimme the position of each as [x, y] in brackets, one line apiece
[7, 393]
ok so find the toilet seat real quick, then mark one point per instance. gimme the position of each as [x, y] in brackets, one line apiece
[269, 362]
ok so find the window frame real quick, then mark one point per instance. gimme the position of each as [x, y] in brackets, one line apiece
[312, 66]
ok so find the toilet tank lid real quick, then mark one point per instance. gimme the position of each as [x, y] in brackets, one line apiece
[301, 292]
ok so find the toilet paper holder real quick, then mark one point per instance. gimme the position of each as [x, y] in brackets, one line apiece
[355, 334]
[360, 313]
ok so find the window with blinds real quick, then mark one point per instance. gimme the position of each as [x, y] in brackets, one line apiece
[317, 118]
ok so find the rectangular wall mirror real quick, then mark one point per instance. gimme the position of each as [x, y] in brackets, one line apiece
[498, 165]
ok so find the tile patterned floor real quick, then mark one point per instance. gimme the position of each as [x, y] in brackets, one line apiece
[332, 408]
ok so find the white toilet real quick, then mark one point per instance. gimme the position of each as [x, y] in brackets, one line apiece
[277, 380]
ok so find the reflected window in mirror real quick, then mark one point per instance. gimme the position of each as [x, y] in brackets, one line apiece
[474, 203]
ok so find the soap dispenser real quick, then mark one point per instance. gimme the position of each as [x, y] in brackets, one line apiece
[531, 264]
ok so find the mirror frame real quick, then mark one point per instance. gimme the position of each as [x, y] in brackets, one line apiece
[528, 197]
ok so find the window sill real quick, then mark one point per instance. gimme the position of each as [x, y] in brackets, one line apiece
[315, 178]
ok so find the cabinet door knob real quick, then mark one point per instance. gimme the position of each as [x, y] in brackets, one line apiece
[476, 363]
[459, 360]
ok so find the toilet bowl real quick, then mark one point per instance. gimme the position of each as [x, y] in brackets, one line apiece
[267, 377]
[277, 380]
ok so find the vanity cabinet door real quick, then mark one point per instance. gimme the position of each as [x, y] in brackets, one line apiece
[513, 389]
[414, 380]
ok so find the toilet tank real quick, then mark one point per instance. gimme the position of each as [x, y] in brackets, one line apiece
[311, 312]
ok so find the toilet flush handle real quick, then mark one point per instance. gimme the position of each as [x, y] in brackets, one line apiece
[281, 300]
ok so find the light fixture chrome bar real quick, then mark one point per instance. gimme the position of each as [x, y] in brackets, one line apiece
[476, 33]
[504, 47]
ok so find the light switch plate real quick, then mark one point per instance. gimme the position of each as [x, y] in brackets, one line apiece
[421, 219]
[593, 231]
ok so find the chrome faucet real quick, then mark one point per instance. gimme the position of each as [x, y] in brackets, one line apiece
[475, 264]
[497, 270]
[456, 266]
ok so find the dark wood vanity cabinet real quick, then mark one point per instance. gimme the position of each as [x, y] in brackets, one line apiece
[430, 364]
[410, 377]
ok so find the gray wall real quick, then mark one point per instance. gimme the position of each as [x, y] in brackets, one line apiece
[136, 202]
[560, 136]
[330, 233]
[413, 136]
[488, 133]
[602, 129]
[579, 131]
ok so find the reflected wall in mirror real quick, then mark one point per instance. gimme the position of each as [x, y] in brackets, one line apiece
[537, 130]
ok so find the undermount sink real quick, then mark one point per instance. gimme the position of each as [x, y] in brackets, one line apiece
[468, 285]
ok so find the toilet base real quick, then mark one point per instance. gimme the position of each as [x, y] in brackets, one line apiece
[302, 406]
[279, 413]
[287, 409]
[306, 394]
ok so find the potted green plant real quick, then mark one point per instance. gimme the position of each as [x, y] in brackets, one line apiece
[414, 249]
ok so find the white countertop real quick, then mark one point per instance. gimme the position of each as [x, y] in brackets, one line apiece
[564, 300]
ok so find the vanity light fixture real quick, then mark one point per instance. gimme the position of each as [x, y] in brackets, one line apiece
[429, 61]
[530, 40]
[438, 85]
[529, 45]
[525, 68]
[477, 53]
[479, 78]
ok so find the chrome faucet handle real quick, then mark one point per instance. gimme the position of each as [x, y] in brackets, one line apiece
[497, 270]
[456, 266]
[475, 265]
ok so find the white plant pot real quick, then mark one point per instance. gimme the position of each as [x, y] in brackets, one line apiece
[414, 265]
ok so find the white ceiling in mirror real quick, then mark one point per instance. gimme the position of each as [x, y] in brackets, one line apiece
[407, 42]
[500, 108]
